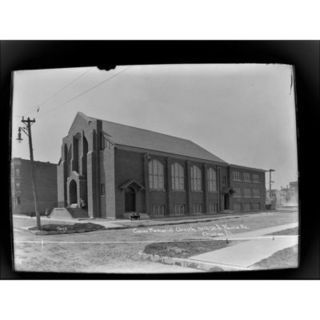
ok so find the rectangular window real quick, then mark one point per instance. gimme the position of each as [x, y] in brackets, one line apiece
[18, 201]
[102, 189]
[236, 176]
[156, 175]
[179, 209]
[247, 192]
[17, 172]
[196, 180]
[255, 206]
[17, 185]
[256, 178]
[197, 208]
[212, 180]
[246, 177]
[256, 193]
[158, 210]
[213, 207]
[177, 177]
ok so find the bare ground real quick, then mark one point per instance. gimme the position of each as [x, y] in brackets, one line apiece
[112, 251]
[286, 258]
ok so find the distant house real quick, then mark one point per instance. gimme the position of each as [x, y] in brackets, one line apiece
[290, 194]
[21, 186]
[273, 199]
[112, 170]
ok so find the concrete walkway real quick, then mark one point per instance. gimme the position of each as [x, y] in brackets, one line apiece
[245, 254]
[127, 223]
[257, 233]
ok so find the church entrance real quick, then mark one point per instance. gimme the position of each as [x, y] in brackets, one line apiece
[130, 200]
[73, 192]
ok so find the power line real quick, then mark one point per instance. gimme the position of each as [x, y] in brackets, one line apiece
[87, 90]
[61, 89]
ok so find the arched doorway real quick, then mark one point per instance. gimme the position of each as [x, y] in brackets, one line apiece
[130, 200]
[73, 192]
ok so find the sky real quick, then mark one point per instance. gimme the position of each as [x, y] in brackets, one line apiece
[243, 113]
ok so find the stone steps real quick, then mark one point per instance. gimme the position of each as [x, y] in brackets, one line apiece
[78, 213]
[68, 213]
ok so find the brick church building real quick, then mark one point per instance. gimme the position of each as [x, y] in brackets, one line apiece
[112, 170]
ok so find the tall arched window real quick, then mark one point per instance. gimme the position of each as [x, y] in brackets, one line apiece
[212, 180]
[196, 179]
[156, 179]
[177, 177]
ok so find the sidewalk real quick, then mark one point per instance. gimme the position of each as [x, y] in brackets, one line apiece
[245, 254]
[257, 233]
[127, 224]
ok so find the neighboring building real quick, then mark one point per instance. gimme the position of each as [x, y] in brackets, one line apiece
[273, 199]
[116, 169]
[21, 186]
[290, 194]
[249, 187]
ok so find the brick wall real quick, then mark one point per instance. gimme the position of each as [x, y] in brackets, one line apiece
[46, 183]
[128, 166]
[247, 201]
[132, 165]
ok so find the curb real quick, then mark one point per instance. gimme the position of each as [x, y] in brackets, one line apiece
[174, 222]
[189, 263]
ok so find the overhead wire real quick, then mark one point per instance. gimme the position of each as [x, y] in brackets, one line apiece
[44, 102]
[86, 91]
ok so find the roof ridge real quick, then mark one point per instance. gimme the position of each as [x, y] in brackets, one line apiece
[126, 125]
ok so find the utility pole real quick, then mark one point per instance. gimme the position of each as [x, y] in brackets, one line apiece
[27, 131]
[270, 182]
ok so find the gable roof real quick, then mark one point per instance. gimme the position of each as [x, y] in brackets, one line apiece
[151, 140]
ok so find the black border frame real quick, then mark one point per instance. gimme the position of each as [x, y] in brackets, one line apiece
[303, 55]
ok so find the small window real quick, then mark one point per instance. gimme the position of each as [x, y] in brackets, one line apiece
[18, 200]
[255, 206]
[17, 172]
[247, 192]
[255, 178]
[197, 208]
[102, 189]
[17, 184]
[256, 193]
[246, 177]
[158, 210]
[179, 209]
[213, 207]
[236, 176]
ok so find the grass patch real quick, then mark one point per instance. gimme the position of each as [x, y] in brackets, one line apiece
[185, 249]
[67, 228]
[286, 258]
[286, 232]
